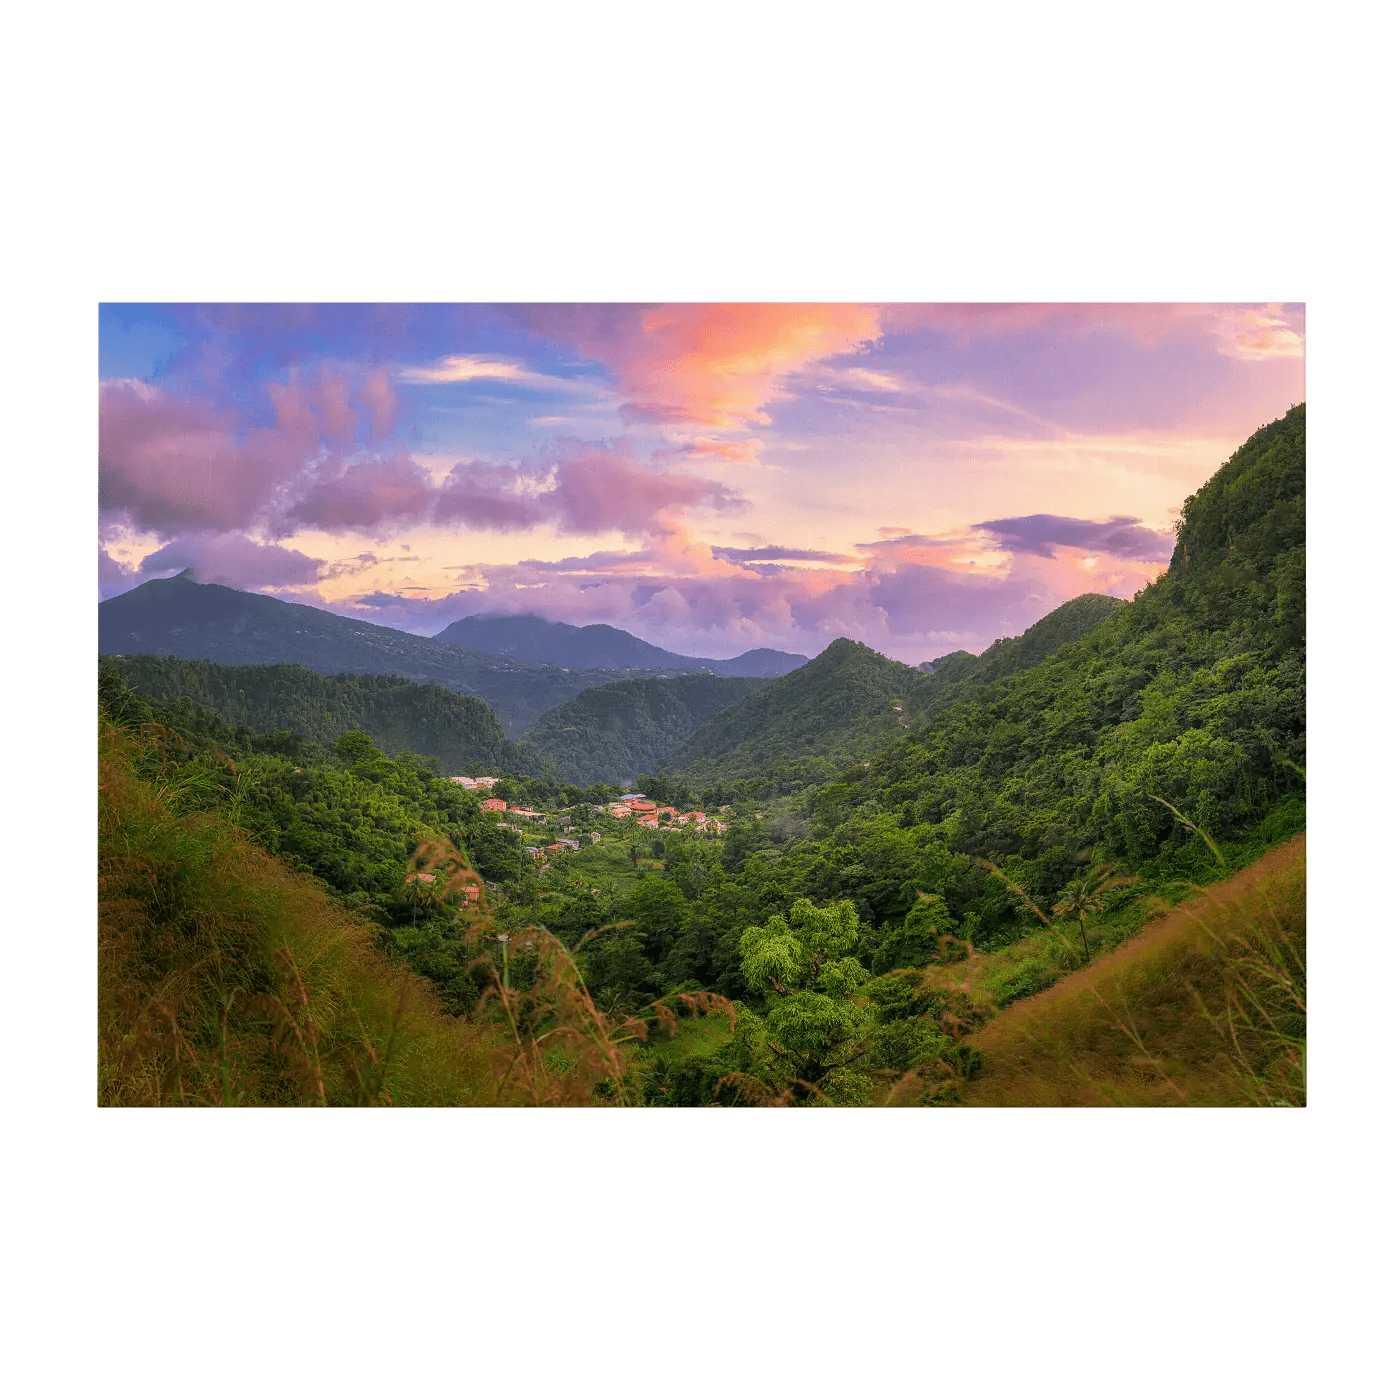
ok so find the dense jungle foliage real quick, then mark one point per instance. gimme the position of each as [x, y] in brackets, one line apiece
[611, 733]
[850, 702]
[1164, 742]
[460, 731]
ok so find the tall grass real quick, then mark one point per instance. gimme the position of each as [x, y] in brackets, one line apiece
[225, 978]
[1211, 1011]
[562, 1049]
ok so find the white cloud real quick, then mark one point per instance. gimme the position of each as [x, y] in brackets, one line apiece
[462, 369]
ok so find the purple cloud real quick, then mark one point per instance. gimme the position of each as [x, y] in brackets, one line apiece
[233, 560]
[600, 490]
[487, 498]
[169, 463]
[1123, 536]
[585, 487]
[735, 555]
[366, 495]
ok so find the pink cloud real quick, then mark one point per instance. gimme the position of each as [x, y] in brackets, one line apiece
[381, 401]
[600, 490]
[710, 364]
[913, 600]
[587, 488]
[1245, 332]
[173, 463]
[234, 560]
[484, 497]
[366, 495]
[742, 452]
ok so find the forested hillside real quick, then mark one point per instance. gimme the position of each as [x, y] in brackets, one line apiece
[807, 724]
[459, 731]
[611, 733]
[179, 617]
[1008, 655]
[851, 702]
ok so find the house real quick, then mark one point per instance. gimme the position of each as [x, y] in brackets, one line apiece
[572, 845]
[641, 806]
[697, 817]
[475, 782]
[493, 804]
[526, 813]
[649, 822]
[595, 836]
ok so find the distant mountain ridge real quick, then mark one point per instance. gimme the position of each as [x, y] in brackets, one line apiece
[598, 646]
[208, 622]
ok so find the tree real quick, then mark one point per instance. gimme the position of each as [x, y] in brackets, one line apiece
[658, 909]
[804, 964]
[1084, 895]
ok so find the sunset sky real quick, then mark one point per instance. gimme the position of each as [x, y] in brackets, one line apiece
[711, 478]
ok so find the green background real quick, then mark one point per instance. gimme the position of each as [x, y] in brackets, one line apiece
[732, 151]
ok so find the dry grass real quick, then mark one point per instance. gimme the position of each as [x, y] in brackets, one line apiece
[562, 1049]
[225, 978]
[1208, 1008]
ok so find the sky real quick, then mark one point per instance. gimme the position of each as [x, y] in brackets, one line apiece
[921, 478]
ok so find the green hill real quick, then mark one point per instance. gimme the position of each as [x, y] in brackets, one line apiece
[460, 731]
[1006, 656]
[851, 702]
[833, 711]
[611, 733]
[1193, 693]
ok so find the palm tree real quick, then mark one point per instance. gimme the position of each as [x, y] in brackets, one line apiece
[1084, 895]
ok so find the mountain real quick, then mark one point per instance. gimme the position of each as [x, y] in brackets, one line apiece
[597, 646]
[460, 731]
[611, 733]
[761, 661]
[1192, 694]
[836, 709]
[206, 621]
[851, 701]
[1008, 655]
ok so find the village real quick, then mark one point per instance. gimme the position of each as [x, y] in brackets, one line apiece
[634, 809]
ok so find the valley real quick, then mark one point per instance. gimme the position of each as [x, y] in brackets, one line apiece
[895, 867]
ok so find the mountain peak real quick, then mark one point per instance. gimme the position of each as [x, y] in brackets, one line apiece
[597, 644]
